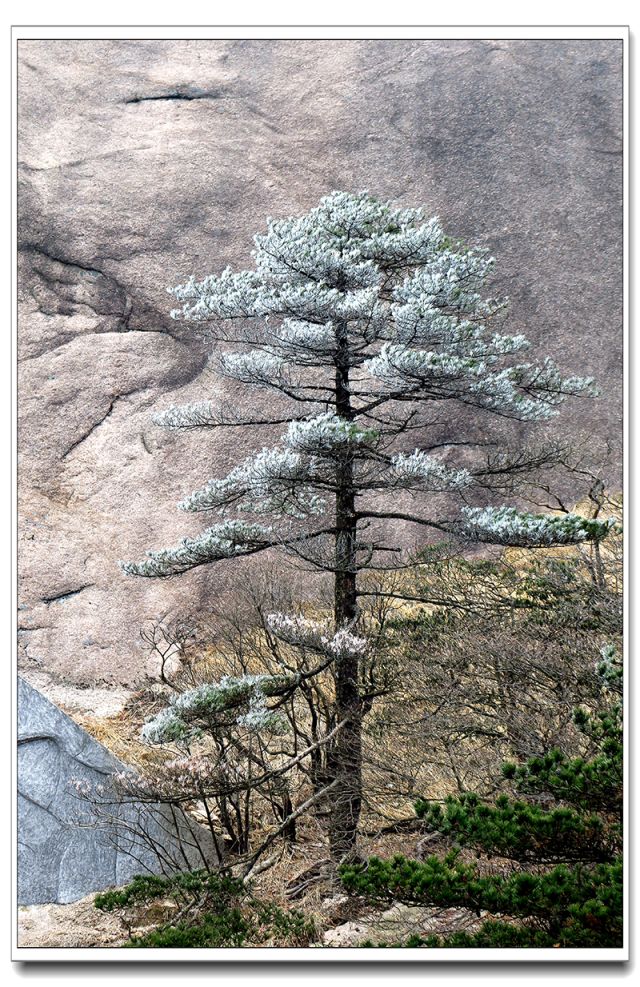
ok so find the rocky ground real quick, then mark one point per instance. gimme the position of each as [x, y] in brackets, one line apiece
[81, 925]
[79, 702]
[142, 162]
[78, 925]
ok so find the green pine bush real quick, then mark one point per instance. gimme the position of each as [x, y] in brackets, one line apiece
[214, 911]
[560, 882]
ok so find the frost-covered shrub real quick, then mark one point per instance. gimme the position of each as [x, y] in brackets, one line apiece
[233, 700]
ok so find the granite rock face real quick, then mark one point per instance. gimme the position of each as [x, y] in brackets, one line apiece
[62, 854]
[142, 162]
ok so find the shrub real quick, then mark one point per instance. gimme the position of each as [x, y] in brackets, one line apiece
[566, 888]
[213, 911]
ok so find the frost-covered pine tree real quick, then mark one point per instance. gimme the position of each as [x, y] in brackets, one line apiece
[358, 321]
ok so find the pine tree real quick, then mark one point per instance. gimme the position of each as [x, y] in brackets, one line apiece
[358, 322]
[561, 833]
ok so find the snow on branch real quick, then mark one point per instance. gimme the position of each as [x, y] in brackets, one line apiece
[529, 392]
[327, 432]
[422, 323]
[227, 540]
[199, 413]
[255, 367]
[305, 342]
[449, 279]
[345, 240]
[274, 481]
[401, 367]
[508, 526]
[228, 295]
[610, 668]
[286, 255]
[234, 700]
[525, 392]
[418, 470]
[302, 632]
[331, 261]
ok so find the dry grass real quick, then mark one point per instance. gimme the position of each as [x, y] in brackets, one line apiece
[120, 734]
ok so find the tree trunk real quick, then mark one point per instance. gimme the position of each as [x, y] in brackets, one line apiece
[345, 763]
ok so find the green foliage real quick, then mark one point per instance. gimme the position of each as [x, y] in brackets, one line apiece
[587, 783]
[547, 592]
[575, 903]
[145, 888]
[492, 935]
[212, 930]
[142, 888]
[232, 927]
[214, 911]
[574, 906]
[516, 829]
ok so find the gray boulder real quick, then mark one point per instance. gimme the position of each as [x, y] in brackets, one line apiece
[64, 851]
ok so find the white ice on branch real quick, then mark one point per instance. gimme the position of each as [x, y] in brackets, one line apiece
[226, 540]
[274, 481]
[327, 432]
[525, 392]
[449, 280]
[331, 260]
[254, 367]
[302, 632]
[200, 413]
[165, 727]
[508, 526]
[390, 276]
[308, 343]
[344, 643]
[419, 470]
[402, 368]
[280, 481]
[233, 701]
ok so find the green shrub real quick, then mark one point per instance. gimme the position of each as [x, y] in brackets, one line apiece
[213, 911]
[567, 888]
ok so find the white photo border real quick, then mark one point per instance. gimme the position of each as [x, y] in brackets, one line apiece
[316, 32]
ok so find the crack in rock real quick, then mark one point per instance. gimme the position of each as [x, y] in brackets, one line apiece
[187, 93]
[65, 595]
[36, 249]
[112, 300]
[80, 162]
[117, 305]
[95, 425]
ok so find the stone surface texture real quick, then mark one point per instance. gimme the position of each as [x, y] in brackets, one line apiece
[142, 162]
[395, 925]
[62, 853]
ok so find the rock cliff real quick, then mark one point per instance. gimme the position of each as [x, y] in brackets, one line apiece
[141, 162]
